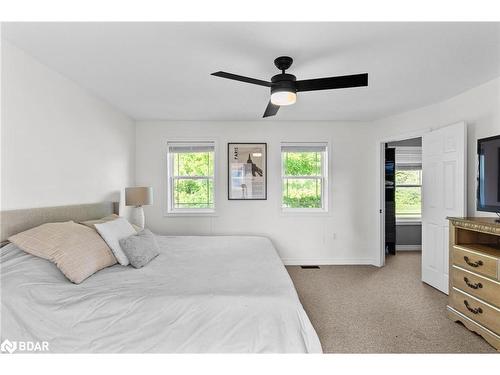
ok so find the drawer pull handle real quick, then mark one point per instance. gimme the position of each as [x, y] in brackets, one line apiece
[473, 286]
[476, 310]
[473, 264]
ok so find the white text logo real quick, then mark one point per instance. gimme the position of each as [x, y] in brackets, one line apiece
[8, 346]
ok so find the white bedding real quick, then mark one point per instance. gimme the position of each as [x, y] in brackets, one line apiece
[201, 294]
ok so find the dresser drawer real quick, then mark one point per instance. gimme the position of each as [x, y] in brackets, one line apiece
[486, 289]
[474, 261]
[484, 314]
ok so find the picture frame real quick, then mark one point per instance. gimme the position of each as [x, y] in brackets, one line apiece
[247, 171]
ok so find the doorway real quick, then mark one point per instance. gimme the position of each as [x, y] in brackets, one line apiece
[443, 194]
[403, 196]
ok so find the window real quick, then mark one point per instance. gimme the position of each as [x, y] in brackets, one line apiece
[408, 183]
[408, 193]
[191, 183]
[304, 176]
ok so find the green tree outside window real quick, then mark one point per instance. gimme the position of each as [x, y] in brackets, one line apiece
[302, 181]
[408, 193]
[193, 184]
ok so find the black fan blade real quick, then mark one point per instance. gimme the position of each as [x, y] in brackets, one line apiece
[242, 78]
[340, 82]
[271, 109]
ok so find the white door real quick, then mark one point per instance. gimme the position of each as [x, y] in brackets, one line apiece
[444, 163]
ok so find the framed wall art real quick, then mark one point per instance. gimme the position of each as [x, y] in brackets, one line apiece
[247, 171]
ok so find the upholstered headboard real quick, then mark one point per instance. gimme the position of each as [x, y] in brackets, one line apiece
[15, 221]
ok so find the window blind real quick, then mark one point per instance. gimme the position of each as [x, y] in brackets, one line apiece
[303, 147]
[191, 147]
[408, 157]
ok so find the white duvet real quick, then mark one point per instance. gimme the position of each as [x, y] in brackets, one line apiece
[201, 294]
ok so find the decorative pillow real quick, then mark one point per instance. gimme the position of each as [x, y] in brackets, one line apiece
[76, 250]
[140, 248]
[92, 223]
[112, 232]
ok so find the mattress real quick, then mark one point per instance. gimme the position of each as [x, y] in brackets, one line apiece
[220, 294]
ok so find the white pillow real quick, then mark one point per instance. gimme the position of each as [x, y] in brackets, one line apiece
[112, 232]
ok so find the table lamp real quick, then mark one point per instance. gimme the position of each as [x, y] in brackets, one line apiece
[138, 196]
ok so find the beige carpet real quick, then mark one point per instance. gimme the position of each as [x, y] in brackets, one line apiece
[365, 309]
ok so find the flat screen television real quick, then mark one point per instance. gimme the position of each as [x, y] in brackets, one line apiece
[488, 186]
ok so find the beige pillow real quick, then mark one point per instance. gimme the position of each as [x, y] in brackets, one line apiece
[75, 249]
[92, 223]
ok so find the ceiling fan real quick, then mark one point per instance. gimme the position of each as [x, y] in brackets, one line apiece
[284, 87]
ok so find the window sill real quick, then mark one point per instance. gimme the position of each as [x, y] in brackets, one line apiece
[304, 212]
[409, 222]
[190, 213]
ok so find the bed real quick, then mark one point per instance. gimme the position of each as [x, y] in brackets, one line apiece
[219, 294]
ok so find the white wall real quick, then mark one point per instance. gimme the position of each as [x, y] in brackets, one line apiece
[350, 233]
[60, 145]
[478, 107]
[345, 235]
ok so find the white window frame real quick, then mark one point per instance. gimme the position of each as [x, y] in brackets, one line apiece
[171, 209]
[324, 179]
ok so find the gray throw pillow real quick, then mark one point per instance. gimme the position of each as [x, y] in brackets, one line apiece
[140, 248]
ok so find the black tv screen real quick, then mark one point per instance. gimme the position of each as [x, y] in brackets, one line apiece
[488, 187]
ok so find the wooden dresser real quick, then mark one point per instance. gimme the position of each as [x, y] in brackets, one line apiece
[475, 276]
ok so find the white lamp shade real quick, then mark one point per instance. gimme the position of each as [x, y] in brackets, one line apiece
[138, 196]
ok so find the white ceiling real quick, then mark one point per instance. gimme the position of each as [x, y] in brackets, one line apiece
[162, 70]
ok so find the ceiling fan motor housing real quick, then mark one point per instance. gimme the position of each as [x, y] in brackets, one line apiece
[283, 82]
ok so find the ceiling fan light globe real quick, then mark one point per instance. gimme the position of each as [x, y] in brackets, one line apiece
[283, 98]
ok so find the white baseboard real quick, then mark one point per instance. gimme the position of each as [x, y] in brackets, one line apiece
[408, 247]
[329, 262]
